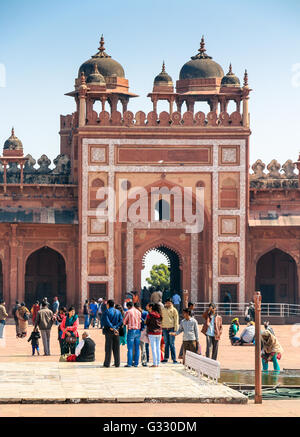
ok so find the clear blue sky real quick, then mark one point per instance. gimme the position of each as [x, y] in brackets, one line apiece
[43, 43]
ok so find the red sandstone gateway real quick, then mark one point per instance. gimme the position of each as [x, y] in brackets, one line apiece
[53, 243]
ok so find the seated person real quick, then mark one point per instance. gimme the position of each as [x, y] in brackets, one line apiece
[85, 350]
[248, 335]
[233, 330]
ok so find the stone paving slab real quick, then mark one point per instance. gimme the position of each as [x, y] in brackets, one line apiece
[55, 382]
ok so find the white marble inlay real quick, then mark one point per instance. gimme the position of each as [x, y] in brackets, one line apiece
[215, 168]
[97, 154]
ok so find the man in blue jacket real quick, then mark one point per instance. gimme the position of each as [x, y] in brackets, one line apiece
[111, 321]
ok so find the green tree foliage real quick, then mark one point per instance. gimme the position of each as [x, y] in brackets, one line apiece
[159, 276]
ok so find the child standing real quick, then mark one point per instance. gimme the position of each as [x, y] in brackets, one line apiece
[34, 338]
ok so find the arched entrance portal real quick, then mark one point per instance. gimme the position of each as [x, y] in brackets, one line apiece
[173, 263]
[276, 277]
[45, 276]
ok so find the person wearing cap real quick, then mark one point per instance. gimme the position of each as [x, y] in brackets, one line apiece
[233, 330]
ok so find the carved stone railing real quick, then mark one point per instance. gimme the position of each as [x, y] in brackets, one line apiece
[164, 119]
[60, 174]
[278, 176]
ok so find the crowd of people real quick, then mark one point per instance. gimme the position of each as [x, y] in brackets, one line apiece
[139, 325]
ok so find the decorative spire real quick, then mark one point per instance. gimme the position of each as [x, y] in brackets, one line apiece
[230, 69]
[202, 45]
[202, 50]
[245, 79]
[12, 131]
[101, 53]
[163, 70]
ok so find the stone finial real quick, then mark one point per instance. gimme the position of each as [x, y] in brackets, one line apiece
[201, 50]
[230, 69]
[62, 165]
[288, 168]
[29, 164]
[101, 50]
[246, 79]
[274, 168]
[202, 45]
[44, 163]
[163, 67]
[258, 168]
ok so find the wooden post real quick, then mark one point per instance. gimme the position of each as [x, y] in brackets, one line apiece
[258, 378]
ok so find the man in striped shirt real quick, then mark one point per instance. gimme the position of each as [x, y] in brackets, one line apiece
[132, 319]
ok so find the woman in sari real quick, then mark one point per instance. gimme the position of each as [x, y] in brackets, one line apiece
[34, 310]
[69, 327]
[271, 351]
[22, 314]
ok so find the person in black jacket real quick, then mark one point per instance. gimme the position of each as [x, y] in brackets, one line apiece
[34, 338]
[85, 351]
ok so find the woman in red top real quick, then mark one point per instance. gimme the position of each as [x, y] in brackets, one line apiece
[69, 327]
[154, 331]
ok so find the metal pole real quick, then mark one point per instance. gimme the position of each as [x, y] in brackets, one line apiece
[258, 378]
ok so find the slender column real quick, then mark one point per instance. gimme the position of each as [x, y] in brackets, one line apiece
[13, 279]
[190, 105]
[179, 105]
[103, 101]
[22, 175]
[258, 378]
[82, 111]
[154, 101]
[245, 112]
[171, 102]
[5, 176]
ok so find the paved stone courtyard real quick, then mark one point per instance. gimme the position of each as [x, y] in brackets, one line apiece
[88, 382]
[17, 365]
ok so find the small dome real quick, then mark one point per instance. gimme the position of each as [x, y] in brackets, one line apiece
[230, 80]
[13, 143]
[201, 66]
[105, 64]
[95, 77]
[163, 78]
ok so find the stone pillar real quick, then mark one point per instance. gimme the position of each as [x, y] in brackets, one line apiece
[154, 101]
[245, 112]
[13, 276]
[82, 111]
[103, 101]
[190, 105]
[179, 105]
[171, 102]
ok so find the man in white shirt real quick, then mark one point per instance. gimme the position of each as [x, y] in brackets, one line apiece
[247, 336]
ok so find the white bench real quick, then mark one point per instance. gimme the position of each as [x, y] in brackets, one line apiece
[202, 365]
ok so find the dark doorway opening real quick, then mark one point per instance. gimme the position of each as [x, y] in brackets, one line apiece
[276, 278]
[45, 276]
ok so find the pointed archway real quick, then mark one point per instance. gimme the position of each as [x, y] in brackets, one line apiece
[173, 264]
[45, 276]
[276, 277]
